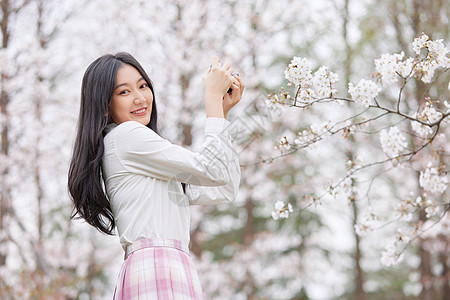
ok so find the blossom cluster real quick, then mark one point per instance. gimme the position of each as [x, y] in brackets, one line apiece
[305, 137]
[432, 208]
[324, 82]
[421, 129]
[447, 105]
[346, 189]
[312, 134]
[436, 56]
[433, 180]
[276, 102]
[406, 208]
[391, 66]
[281, 210]
[392, 141]
[353, 165]
[364, 92]
[368, 223]
[283, 144]
[299, 72]
[306, 95]
[393, 254]
[429, 115]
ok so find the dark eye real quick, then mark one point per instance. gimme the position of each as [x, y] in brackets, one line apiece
[124, 92]
[144, 86]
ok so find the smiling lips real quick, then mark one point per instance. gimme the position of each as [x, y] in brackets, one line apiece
[140, 111]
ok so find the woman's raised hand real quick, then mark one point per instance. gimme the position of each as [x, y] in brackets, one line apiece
[232, 98]
[217, 80]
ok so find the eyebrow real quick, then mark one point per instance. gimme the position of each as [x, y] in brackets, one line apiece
[122, 84]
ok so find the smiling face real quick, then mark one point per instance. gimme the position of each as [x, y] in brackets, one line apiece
[132, 98]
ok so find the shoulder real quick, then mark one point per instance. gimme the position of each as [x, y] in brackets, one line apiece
[130, 131]
[129, 125]
[132, 136]
[131, 128]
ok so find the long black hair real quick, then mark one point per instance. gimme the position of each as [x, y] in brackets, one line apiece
[85, 180]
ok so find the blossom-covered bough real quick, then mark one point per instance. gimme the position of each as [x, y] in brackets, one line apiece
[413, 136]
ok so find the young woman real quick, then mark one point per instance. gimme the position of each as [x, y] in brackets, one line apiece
[124, 175]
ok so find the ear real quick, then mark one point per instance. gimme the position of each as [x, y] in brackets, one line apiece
[108, 111]
[108, 115]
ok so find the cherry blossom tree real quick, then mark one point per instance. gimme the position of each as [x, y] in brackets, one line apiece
[426, 126]
[41, 248]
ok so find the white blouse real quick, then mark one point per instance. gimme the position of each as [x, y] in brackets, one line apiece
[143, 174]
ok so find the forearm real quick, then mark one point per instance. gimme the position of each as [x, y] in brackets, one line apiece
[214, 106]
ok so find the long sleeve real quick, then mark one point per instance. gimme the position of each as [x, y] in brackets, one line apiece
[201, 195]
[143, 152]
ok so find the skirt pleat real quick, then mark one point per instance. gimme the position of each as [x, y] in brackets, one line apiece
[158, 269]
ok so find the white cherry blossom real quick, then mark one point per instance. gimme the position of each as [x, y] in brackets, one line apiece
[421, 129]
[274, 104]
[299, 72]
[281, 210]
[368, 223]
[436, 56]
[390, 66]
[391, 256]
[419, 43]
[429, 115]
[364, 93]
[306, 95]
[392, 141]
[324, 82]
[432, 180]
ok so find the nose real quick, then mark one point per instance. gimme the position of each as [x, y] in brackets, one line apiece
[139, 98]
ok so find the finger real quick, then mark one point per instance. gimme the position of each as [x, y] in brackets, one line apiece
[215, 62]
[241, 85]
[226, 66]
[238, 78]
[205, 74]
[237, 81]
[229, 71]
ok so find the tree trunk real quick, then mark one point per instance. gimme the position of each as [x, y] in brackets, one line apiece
[359, 280]
[426, 276]
[5, 192]
[187, 127]
[37, 156]
[359, 273]
[445, 276]
[249, 231]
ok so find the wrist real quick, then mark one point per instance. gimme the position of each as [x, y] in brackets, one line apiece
[214, 109]
[213, 96]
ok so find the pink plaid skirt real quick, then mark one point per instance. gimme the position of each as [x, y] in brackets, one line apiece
[158, 268]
